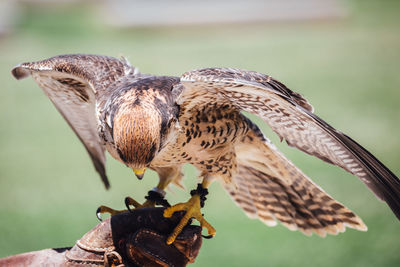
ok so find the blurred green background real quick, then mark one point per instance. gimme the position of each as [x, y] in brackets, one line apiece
[348, 68]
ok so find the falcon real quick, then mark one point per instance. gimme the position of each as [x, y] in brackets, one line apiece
[162, 122]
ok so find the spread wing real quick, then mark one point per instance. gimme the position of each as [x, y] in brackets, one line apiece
[292, 118]
[72, 83]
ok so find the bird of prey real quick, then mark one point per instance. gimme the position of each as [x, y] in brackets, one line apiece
[163, 122]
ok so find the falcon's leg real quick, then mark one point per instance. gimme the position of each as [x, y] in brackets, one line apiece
[154, 197]
[192, 208]
[157, 194]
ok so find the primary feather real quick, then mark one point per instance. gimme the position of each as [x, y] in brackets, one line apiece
[72, 82]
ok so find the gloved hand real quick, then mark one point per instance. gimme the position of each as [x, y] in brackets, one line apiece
[128, 239]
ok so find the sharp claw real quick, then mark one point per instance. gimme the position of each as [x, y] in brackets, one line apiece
[98, 214]
[127, 204]
[207, 236]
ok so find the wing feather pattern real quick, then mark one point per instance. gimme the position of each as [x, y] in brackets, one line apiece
[270, 187]
[72, 82]
[292, 118]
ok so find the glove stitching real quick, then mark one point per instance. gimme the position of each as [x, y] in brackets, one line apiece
[84, 262]
[94, 249]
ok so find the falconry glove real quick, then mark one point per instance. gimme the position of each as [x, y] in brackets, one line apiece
[135, 238]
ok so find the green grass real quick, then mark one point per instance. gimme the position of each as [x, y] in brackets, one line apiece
[348, 70]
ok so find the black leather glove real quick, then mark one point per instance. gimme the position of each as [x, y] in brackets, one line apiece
[128, 239]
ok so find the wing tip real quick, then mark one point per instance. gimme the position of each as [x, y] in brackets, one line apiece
[106, 184]
[98, 162]
[103, 176]
[19, 72]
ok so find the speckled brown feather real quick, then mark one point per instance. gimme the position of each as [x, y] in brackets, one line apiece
[206, 139]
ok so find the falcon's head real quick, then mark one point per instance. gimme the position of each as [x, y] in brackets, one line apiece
[137, 136]
[141, 126]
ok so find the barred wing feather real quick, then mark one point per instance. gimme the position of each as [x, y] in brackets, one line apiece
[292, 118]
[71, 82]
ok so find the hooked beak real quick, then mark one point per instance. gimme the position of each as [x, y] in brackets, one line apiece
[139, 173]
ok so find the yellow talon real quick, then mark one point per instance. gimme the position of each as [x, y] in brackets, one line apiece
[104, 209]
[128, 201]
[137, 205]
[192, 208]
